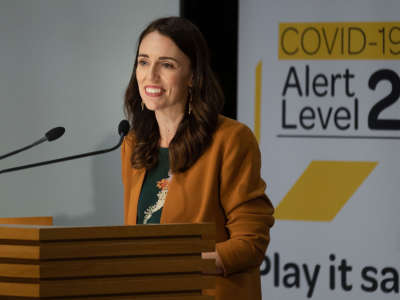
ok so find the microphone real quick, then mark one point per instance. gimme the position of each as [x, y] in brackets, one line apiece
[123, 129]
[50, 135]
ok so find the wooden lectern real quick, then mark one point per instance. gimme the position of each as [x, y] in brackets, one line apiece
[143, 262]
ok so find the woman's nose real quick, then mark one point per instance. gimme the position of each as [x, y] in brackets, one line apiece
[153, 72]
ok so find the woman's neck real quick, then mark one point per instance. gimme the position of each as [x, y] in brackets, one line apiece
[168, 125]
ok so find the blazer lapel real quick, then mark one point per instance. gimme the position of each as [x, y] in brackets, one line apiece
[134, 195]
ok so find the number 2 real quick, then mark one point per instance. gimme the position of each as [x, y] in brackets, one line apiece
[373, 121]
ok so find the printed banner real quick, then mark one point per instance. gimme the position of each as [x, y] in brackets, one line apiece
[319, 84]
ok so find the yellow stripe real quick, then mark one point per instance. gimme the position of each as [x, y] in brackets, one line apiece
[257, 101]
[323, 189]
[344, 40]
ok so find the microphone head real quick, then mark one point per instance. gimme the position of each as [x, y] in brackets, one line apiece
[54, 133]
[123, 128]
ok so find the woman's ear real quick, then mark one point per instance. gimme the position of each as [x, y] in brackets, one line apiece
[190, 84]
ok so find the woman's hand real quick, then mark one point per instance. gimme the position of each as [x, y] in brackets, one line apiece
[218, 262]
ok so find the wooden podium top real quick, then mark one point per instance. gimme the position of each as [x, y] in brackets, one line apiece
[57, 233]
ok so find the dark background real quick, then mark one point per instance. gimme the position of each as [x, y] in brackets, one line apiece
[218, 21]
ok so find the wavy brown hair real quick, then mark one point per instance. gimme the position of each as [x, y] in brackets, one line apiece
[195, 131]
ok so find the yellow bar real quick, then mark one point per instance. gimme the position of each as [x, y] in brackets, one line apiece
[323, 189]
[257, 101]
[355, 40]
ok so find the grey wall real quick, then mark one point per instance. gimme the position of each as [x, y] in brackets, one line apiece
[67, 63]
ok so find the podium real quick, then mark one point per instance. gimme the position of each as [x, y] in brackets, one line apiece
[142, 262]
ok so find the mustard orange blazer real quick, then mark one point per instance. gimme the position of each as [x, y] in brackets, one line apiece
[224, 186]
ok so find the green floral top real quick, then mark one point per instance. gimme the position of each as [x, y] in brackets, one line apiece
[154, 191]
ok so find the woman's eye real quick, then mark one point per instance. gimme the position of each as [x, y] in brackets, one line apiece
[168, 65]
[142, 62]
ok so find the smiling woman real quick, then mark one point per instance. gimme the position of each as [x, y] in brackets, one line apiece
[183, 162]
[164, 77]
[171, 78]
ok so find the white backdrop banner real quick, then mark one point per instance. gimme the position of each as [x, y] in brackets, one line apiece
[319, 83]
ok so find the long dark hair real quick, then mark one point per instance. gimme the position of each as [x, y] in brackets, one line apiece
[194, 133]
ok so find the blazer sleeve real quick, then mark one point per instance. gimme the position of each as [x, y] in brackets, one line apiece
[248, 211]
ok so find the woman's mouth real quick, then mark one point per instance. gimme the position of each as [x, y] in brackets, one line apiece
[153, 91]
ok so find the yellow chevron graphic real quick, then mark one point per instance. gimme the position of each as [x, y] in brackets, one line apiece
[322, 190]
[257, 101]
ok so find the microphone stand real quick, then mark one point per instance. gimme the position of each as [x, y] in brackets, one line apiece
[64, 158]
[51, 135]
[42, 140]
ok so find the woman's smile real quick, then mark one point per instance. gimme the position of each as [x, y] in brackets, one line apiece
[153, 91]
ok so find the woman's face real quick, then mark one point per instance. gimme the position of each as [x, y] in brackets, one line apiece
[163, 74]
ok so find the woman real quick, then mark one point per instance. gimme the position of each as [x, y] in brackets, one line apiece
[183, 162]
